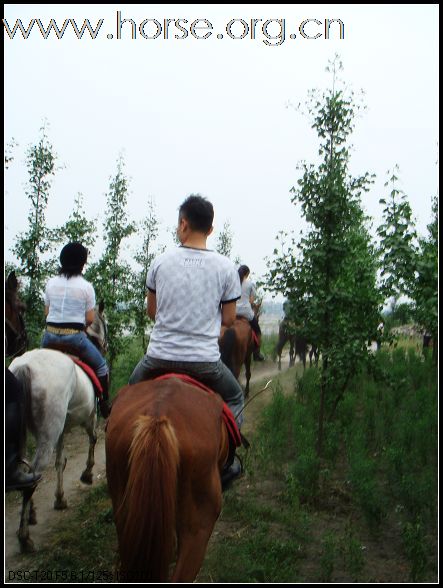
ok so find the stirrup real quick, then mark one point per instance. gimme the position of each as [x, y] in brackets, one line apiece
[230, 473]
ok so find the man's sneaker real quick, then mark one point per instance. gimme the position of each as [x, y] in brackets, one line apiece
[230, 473]
[258, 356]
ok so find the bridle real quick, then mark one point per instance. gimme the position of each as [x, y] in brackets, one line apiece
[17, 340]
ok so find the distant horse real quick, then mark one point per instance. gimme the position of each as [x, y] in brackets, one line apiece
[314, 351]
[59, 396]
[298, 344]
[236, 346]
[165, 447]
[285, 334]
[15, 331]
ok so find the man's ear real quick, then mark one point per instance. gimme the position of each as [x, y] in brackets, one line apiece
[210, 231]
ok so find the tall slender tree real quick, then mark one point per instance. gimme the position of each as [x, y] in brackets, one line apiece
[148, 227]
[329, 276]
[31, 246]
[397, 249]
[111, 275]
[424, 290]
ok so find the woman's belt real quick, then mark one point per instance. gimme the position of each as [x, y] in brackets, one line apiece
[62, 331]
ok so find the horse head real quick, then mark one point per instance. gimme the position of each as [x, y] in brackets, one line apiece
[97, 331]
[15, 331]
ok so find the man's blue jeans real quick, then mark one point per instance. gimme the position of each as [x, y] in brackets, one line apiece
[87, 351]
[215, 375]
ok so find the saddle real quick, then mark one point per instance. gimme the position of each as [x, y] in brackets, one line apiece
[235, 437]
[72, 352]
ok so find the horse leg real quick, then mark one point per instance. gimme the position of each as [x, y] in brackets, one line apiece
[60, 464]
[86, 476]
[26, 543]
[291, 354]
[198, 515]
[32, 520]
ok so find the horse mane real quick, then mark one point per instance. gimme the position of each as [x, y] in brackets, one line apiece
[148, 537]
[227, 344]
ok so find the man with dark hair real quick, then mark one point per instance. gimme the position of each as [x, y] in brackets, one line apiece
[192, 291]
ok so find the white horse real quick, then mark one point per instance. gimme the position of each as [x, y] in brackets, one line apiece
[59, 396]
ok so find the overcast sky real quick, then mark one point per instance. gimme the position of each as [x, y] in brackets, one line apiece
[209, 116]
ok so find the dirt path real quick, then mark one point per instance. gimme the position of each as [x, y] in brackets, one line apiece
[76, 449]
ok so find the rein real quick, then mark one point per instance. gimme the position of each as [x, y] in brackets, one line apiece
[254, 397]
[20, 337]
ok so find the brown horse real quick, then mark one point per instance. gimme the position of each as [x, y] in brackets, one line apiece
[236, 346]
[298, 345]
[166, 444]
[15, 331]
[285, 334]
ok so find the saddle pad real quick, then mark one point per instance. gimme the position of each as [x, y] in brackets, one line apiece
[255, 338]
[91, 374]
[227, 415]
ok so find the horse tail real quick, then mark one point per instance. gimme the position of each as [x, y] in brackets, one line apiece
[227, 346]
[149, 506]
[23, 375]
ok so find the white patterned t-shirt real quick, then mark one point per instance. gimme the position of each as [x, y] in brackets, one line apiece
[69, 299]
[190, 286]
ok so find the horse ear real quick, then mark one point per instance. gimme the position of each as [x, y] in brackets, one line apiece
[101, 306]
[12, 281]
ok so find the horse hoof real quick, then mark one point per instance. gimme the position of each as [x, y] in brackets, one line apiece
[61, 504]
[86, 478]
[27, 546]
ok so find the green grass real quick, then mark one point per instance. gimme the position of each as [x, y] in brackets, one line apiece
[84, 543]
[279, 523]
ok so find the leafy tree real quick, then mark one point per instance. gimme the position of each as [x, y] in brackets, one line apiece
[397, 237]
[144, 257]
[425, 286]
[31, 246]
[111, 276]
[78, 227]
[8, 152]
[329, 276]
[224, 240]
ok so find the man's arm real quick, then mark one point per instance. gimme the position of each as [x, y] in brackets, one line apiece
[152, 304]
[228, 311]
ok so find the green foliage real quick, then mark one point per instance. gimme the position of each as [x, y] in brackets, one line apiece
[416, 549]
[364, 481]
[32, 246]
[224, 240]
[331, 280]
[111, 276]
[424, 290]
[78, 227]
[125, 363]
[144, 257]
[83, 547]
[328, 557]
[397, 242]
[9, 157]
